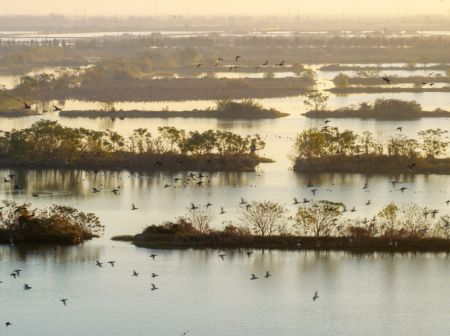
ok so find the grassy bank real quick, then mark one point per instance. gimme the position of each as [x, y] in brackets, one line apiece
[178, 89]
[222, 241]
[381, 109]
[225, 109]
[386, 89]
[373, 164]
[145, 162]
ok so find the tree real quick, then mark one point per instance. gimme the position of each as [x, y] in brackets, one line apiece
[264, 218]
[341, 81]
[317, 100]
[310, 143]
[388, 216]
[433, 142]
[200, 218]
[318, 219]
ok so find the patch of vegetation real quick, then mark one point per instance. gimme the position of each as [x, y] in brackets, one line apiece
[383, 109]
[20, 224]
[225, 109]
[330, 150]
[39, 56]
[319, 225]
[48, 144]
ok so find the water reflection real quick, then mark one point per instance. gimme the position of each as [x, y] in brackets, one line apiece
[158, 203]
[196, 285]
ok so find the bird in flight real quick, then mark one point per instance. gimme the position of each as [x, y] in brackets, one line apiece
[133, 207]
[386, 79]
[64, 301]
[253, 277]
[154, 287]
[112, 263]
[153, 256]
[316, 296]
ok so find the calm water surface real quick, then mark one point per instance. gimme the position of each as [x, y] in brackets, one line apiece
[359, 295]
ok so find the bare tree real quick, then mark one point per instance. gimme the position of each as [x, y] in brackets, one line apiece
[318, 219]
[265, 218]
[200, 218]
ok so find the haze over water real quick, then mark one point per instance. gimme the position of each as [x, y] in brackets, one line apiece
[199, 293]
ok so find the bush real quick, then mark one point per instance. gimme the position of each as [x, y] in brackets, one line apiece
[55, 225]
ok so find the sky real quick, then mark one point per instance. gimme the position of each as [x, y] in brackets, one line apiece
[225, 7]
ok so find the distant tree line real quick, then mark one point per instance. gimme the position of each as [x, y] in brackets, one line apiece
[48, 142]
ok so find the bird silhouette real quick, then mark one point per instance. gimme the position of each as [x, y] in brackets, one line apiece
[99, 264]
[222, 211]
[253, 277]
[154, 275]
[316, 296]
[135, 274]
[27, 287]
[154, 287]
[64, 301]
[153, 256]
[56, 108]
[133, 207]
[8, 324]
[386, 79]
[268, 275]
[112, 263]
[222, 256]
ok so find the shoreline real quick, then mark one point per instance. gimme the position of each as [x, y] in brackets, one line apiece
[295, 243]
[368, 164]
[170, 162]
[213, 114]
[343, 114]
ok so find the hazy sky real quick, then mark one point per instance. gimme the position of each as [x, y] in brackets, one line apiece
[225, 7]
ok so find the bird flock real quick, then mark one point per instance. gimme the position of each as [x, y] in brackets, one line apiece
[236, 65]
[19, 274]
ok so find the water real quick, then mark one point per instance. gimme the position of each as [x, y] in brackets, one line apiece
[369, 295]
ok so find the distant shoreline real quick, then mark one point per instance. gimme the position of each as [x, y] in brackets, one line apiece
[349, 113]
[264, 114]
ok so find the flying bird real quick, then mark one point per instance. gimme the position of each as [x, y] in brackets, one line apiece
[316, 296]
